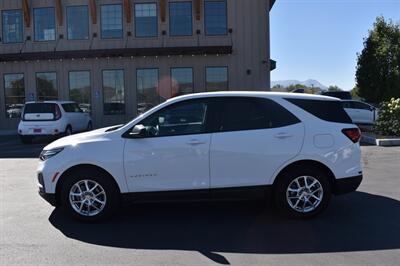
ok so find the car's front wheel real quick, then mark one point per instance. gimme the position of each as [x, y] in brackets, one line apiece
[89, 195]
[303, 192]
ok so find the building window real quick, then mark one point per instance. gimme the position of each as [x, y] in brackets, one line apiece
[113, 92]
[217, 78]
[45, 24]
[182, 81]
[147, 89]
[46, 86]
[79, 89]
[78, 22]
[180, 19]
[215, 13]
[146, 23]
[12, 26]
[14, 92]
[111, 22]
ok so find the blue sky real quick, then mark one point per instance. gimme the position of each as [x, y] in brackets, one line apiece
[320, 39]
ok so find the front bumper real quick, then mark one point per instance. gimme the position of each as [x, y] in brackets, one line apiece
[347, 185]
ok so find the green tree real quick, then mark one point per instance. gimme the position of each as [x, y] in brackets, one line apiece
[378, 70]
[334, 88]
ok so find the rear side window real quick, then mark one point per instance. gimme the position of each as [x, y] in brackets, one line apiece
[249, 113]
[331, 111]
[40, 108]
[71, 108]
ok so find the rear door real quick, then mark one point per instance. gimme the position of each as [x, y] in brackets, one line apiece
[255, 137]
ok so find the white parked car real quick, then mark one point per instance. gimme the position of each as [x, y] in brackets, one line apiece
[360, 112]
[298, 148]
[52, 118]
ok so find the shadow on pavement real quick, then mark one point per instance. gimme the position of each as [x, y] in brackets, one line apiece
[11, 147]
[354, 222]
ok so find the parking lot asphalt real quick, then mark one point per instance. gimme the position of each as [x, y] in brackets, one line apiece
[361, 228]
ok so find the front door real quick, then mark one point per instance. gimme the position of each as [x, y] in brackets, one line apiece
[175, 154]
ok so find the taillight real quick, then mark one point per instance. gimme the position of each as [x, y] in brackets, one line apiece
[57, 113]
[354, 134]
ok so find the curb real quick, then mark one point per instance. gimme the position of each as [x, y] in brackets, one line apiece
[380, 142]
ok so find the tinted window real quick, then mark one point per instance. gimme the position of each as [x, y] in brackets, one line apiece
[179, 119]
[14, 90]
[45, 25]
[331, 111]
[344, 95]
[363, 106]
[215, 17]
[180, 18]
[244, 113]
[78, 22]
[12, 26]
[71, 108]
[146, 20]
[111, 21]
[40, 108]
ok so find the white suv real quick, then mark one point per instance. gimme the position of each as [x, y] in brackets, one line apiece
[298, 148]
[52, 118]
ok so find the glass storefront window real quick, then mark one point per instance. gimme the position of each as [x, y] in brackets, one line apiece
[46, 86]
[147, 89]
[182, 81]
[113, 92]
[14, 93]
[79, 89]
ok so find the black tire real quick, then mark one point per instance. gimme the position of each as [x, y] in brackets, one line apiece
[68, 131]
[26, 139]
[112, 194]
[89, 126]
[282, 185]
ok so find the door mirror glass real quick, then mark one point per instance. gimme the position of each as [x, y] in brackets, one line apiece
[139, 131]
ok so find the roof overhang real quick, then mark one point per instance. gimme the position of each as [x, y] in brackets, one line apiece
[101, 53]
[271, 4]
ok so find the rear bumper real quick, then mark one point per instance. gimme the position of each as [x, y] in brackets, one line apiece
[347, 185]
[50, 198]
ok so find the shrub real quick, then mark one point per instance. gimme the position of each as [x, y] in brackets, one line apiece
[388, 122]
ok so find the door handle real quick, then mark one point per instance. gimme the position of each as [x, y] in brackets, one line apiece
[283, 135]
[195, 142]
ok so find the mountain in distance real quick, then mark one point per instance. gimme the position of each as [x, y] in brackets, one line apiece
[309, 83]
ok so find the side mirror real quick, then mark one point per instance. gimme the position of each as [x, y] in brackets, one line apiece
[139, 131]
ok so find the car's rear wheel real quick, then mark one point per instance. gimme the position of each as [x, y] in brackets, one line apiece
[26, 139]
[89, 195]
[303, 192]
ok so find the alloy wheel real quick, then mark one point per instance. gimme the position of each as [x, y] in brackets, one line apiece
[87, 197]
[304, 194]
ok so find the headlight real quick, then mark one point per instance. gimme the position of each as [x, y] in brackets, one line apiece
[44, 155]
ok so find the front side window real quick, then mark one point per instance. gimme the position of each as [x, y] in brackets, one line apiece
[180, 19]
[215, 16]
[184, 118]
[111, 21]
[79, 89]
[14, 90]
[78, 22]
[245, 113]
[45, 25]
[113, 92]
[46, 86]
[147, 89]
[12, 26]
[216, 78]
[182, 81]
[146, 24]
